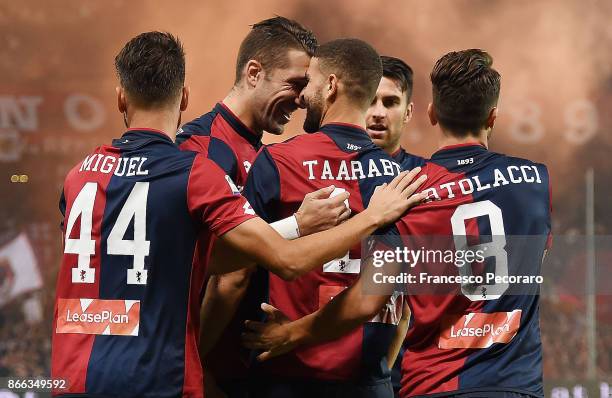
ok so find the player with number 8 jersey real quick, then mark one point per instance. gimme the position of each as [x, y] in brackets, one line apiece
[480, 339]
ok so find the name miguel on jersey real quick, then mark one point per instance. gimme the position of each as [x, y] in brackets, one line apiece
[501, 176]
[120, 167]
[351, 170]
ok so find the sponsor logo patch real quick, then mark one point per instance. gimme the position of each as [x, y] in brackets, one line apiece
[97, 316]
[479, 330]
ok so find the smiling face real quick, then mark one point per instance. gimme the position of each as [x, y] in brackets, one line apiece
[387, 115]
[276, 95]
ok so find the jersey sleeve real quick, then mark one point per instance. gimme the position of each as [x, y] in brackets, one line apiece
[262, 188]
[214, 149]
[213, 199]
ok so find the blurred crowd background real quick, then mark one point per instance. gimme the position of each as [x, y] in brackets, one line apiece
[57, 101]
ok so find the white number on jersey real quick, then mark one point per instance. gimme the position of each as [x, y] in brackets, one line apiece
[495, 248]
[134, 207]
[85, 247]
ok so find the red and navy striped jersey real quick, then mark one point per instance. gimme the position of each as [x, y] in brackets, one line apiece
[127, 306]
[223, 138]
[407, 160]
[342, 155]
[479, 342]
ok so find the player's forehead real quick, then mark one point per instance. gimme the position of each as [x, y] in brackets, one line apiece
[389, 87]
[296, 65]
[314, 68]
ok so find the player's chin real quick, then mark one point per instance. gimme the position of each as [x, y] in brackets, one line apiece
[378, 141]
[276, 128]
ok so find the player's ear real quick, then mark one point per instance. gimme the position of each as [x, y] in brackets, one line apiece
[409, 112]
[253, 72]
[431, 112]
[184, 98]
[121, 104]
[491, 118]
[332, 87]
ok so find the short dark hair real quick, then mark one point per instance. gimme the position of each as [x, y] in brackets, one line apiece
[465, 88]
[269, 41]
[356, 63]
[398, 71]
[151, 68]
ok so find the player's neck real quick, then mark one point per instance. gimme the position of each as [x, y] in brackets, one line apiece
[241, 108]
[393, 149]
[164, 121]
[341, 113]
[448, 139]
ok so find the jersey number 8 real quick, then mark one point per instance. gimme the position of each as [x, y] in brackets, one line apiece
[494, 248]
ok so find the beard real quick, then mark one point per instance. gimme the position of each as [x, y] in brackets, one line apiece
[314, 114]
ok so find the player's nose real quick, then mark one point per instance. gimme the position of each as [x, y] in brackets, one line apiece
[378, 110]
[300, 101]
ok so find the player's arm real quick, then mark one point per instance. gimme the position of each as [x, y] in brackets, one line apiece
[400, 334]
[291, 259]
[225, 292]
[211, 390]
[318, 212]
[344, 313]
[221, 299]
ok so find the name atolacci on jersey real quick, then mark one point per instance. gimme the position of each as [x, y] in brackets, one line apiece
[119, 166]
[526, 174]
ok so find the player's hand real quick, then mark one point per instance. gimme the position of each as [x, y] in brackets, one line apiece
[272, 337]
[391, 200]
[319, 211]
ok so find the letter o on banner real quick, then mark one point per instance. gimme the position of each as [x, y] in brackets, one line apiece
[84, 121]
